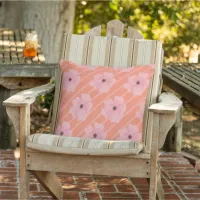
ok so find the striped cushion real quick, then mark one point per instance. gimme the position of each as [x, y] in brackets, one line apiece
[81, 146]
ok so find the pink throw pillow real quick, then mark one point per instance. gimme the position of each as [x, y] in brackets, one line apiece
[103, 102]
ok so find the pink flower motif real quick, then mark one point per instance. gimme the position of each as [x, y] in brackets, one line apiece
[70, 80]
[64, 129]
[81, 106]
[130, 133]
[137, 84]
[114, 109]
[103, 82]
[140, 112]
[96, 131]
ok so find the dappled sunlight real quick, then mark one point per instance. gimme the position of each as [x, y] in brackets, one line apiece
[86, 186]
[8, 32]
[190, 118]
[83, 2]
[68, 186]
[4, 179]
[17, 153]
[5, 43]
[197, 138]
[187, 142]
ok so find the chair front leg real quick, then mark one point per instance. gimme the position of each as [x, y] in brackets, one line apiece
[154, 158]
[24, 131]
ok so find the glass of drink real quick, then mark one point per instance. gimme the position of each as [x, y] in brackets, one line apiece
[31, 44]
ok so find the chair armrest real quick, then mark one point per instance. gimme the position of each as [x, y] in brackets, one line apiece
[27, 97]
[169, 112]
[168, 104]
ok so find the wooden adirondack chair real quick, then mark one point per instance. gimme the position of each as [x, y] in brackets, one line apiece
[162, 112]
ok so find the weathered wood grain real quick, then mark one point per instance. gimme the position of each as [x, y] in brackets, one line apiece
[115, 28]
[22, 83]
[183, 78]
[133, 33]
[25, 70]
[193, 70]
[167, 104]
[58, 78]
[154, 158]
[96, 31]
[11, 14]
[14, 115]
[192, 95]
[173, 142]
[186, 74]
[99, 165]
[24, 132]
[50, 182]
[27, 97]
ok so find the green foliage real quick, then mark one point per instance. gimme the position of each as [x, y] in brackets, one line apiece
[176, 24]
[46, 100]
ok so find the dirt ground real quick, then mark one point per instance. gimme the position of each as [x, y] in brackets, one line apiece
[40, 123]
[191, 132]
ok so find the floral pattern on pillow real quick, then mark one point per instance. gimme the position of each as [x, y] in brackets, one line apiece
[103, 82]
[96, 131]
[137, 83]
[114, 109]
[103, 102]
[64, 128]
[81, 106]
[70, 80]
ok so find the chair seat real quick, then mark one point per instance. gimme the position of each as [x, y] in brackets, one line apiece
[81, 146]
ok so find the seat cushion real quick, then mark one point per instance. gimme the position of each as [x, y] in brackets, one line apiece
[103, 102]
[81, 146]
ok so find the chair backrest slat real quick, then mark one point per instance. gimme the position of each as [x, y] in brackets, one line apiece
[121, 52]
[144, 52]
[76, 48]
[118, 52]
[58, 78]
[133, 33]
[98, 51]
[115, 27]
[96, 31]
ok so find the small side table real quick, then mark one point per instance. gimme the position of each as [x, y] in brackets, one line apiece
[17, 73]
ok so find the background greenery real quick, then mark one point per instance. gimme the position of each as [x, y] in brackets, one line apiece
[176, 24]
